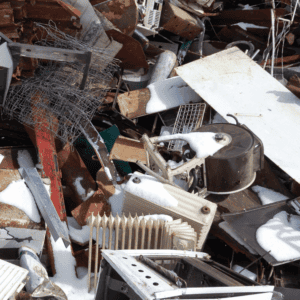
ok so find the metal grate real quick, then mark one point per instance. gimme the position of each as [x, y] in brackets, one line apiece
[189, 118]
[12, 279]
[138, 233]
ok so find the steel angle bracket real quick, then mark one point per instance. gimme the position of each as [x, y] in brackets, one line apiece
[98, 144]
[45, 205]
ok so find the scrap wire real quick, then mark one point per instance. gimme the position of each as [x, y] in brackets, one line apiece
[56, 91]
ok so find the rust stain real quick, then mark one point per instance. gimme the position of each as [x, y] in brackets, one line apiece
[94, 205]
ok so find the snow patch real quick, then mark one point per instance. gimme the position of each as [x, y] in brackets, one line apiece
[150, 189]
[24, 159]
[203, 143]
[173, 164]
[247, 25]
[18, 194]
[281, 235]
[157, 217]
[82, 234]
[116, 201]
[65, 277]
[81, 191]
[1, 158]
[108, 174]
[245, 272]
[268, 196]
[169, 93]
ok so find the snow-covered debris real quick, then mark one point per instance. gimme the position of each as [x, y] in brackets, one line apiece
[116, 201]
[157, 217]
[203, 143]
[245, 272]
[81, 191]
[18, 194]
[281, 235]
[82, 234]
[65, 277]
[150, 189]
[268, 196]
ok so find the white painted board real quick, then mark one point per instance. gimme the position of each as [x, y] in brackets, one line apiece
[232, 83]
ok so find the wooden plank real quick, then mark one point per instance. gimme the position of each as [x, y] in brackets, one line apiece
[128, 150]
[133, 104]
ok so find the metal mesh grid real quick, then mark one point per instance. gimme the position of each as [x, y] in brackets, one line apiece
[189, 117]
[54, 94]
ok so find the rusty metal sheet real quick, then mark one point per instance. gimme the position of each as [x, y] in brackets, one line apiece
[179, 22]
[131, 54]
[104, 184]
[11, 32]
[133, 104]
[75, 173]
[261, 17]
[70, 9]
[82, 258]
[130, 150]
[6, 17]
[11, 216]
[286, 60]
[122, 13]
[44, 140]
[6, 177]
[94, 205]
[47, 11]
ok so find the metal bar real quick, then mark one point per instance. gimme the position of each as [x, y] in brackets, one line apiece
[45, 205]
[163, 271]
[101, 151]
[212, 272]
[49, 53]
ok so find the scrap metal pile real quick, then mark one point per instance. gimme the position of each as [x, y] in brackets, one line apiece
[149, 149]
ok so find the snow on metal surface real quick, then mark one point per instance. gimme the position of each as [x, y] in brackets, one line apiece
[232, 83]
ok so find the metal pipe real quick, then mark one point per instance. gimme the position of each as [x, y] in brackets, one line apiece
[141, 39]
[251, 46]
[164, 65]
[163, 271]
[202, 34]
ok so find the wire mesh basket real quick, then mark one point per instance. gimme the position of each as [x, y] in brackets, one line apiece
[189, 117]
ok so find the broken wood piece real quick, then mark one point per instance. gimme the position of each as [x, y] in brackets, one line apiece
[159, 96]
[96, 204]
[130, 150]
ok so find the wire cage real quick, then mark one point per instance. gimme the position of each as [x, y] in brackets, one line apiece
[54, 93]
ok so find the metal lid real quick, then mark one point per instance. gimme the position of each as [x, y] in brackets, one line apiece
[242, 139]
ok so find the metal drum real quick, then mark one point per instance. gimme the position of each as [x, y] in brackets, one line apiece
[233, 168]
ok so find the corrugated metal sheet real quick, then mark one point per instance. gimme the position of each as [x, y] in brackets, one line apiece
[12, 279]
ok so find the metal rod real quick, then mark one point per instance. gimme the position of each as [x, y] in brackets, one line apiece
[90, 253]
[254, 262]
[163, 271]
[118, 89]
